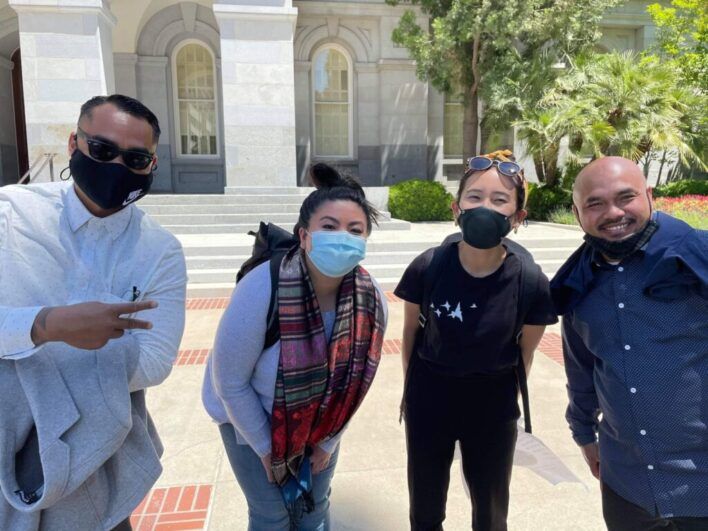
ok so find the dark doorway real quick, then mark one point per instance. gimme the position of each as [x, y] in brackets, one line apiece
[19, 105]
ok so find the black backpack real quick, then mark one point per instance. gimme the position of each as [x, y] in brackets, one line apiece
[528, 290]
[272, 244]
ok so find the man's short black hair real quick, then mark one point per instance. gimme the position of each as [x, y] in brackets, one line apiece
[126, 104]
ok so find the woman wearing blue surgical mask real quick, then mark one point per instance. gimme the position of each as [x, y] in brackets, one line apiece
[475, 310]
[283, 402]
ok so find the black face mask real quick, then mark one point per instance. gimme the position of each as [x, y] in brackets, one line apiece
[619, 250]
[482, 227]
[110, 185]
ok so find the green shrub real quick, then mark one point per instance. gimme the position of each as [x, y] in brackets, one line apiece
[679, 188]
[543, 200]
[563, 216]
[417, 200]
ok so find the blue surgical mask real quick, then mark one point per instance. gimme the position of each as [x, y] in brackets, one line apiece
[335, 253]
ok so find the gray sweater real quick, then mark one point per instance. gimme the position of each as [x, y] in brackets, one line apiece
[240, 376]
[98, 448]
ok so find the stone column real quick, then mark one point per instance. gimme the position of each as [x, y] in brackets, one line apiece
[9, 172]
[303, 107]
[404, 122]
[126, 82]
[258, 91]
[67, 58]
[436, 130]
[368, 112]
[151, 85]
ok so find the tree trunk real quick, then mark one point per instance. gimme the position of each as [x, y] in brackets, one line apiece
[540, 168]
[661, 168]
[470, 128]
[470, 123]
[551, 164]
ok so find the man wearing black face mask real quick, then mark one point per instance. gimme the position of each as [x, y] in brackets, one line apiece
[635, 331]
[78, 261]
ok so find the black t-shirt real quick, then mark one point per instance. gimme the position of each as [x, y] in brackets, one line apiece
[474, 317]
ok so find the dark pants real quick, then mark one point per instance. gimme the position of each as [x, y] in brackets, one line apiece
[622, 515]
[123, 526]
[480, 413]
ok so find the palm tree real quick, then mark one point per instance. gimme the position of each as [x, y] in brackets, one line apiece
[541, 134]
[628, 105]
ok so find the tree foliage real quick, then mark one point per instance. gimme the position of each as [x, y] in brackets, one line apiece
[683, 38]
[623, 104]
[483, 48]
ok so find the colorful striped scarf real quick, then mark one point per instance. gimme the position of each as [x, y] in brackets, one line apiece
[319, 386]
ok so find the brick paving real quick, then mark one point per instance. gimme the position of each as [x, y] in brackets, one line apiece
[219, 303]
[215, 303]
[391, 346]
[192, 356]
[173, 509]
[552, 346]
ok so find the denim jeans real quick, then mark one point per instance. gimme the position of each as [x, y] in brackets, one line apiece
[266, 508]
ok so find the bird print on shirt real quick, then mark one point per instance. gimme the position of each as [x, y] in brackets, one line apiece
[446, 309]
[456, 313]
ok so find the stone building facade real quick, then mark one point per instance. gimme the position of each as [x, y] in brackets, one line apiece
[248, 92]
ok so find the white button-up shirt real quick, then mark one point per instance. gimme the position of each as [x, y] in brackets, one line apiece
[54, 252]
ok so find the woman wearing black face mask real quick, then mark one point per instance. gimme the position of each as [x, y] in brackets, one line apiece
[475, 310]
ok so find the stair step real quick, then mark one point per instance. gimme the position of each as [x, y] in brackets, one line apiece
[390, 271]
[375, 258]
[220, 199]
[244, 227]
[210, 208]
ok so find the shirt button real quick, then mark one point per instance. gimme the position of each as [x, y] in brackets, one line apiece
[621, 305]
[633, 390]
[643, 432]
[627, 347]
[620, 269]
[650, 467]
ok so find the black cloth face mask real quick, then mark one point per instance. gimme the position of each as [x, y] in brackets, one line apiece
[483, 228]
[108, 184]
[619, 250]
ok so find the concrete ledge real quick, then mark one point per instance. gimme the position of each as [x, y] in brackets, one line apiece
[574, 228]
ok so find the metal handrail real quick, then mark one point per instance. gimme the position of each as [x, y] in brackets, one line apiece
[48, 159]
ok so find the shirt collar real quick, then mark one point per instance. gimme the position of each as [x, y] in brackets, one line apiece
[79, 216]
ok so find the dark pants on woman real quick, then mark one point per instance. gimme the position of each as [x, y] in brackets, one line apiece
[623, 515]
[478, 411]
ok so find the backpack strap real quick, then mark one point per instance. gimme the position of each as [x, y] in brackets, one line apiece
[528, 290]
[273, 322]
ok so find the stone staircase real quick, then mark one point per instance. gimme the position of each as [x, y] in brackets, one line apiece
[213, 231]
[236, 212]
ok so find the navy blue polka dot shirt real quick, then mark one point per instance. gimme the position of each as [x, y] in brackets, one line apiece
[637, 368]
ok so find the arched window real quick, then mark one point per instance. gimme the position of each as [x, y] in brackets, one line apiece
[195, 95]
[332, 95]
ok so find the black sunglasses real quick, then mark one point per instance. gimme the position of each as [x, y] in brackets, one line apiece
[105, 151]
[510, 169]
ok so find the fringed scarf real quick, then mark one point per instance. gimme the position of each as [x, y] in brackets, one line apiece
[319, 385]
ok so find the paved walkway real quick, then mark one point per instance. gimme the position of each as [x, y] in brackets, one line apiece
[197, 489]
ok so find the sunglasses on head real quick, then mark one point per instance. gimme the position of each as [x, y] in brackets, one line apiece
[104, 151]
[510, 169]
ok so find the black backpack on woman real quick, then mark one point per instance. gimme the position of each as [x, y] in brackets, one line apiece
[272, 244]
